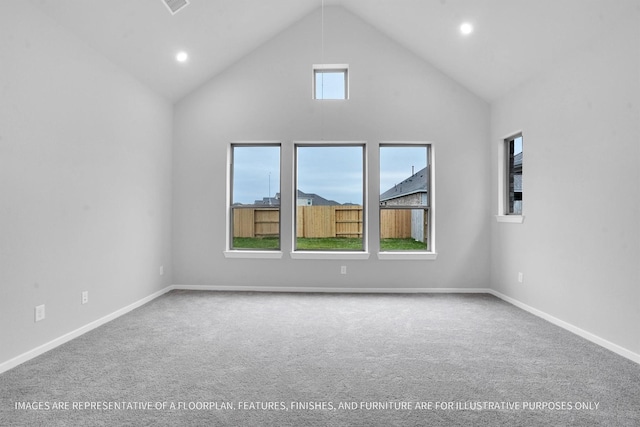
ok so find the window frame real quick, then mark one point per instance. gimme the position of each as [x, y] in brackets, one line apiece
[330, 68]
[504, 180]
[370, 224]
[430, 253]
[330, 254]
[230, 251]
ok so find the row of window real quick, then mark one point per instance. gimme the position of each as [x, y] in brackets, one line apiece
[330, 196]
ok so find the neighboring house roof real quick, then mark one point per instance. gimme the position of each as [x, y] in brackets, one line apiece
[316, 200]
[275, 201]
[517, 159]
[517, 183]
[416, 183]
[517, 169]
[268, 201]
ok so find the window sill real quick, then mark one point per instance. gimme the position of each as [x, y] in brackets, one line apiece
[253, 254]
[329, 255]
[400, 256]
[514, 219]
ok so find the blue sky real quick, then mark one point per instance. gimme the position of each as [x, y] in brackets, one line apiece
[396, 164]
[334, 173]
[517, 145]
[256, 173]
[330, 85]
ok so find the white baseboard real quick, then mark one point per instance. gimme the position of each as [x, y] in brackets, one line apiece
[335, 290]
[571, 328]
[11, 363]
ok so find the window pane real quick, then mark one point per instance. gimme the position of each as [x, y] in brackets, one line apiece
[403, 229]
[330, 182]
[403, 176]
[404, 185]
[330, 84]
[255, 197]
[514, 153]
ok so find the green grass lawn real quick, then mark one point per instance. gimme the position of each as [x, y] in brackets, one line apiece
[402, 245]
[256, 243]
[329, 243]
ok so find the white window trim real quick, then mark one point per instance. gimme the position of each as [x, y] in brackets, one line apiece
[329, 67]
[417, 255]
[337, 255]
[240, 253]
[513, 219]
[350, 255]
[236, 253]
[407, 256]
[502, 216]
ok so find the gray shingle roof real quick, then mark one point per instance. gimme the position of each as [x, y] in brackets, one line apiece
[417, 183]
[517, 183]
[316, 200]
[517, 159]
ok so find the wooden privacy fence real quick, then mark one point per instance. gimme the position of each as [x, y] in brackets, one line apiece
[395, 223]
[329, 221]
[256, 222]
[321, 221]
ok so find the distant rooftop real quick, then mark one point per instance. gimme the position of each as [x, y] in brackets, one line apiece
[517, 159]
[416, 183]
[316, 200]
[275, 201]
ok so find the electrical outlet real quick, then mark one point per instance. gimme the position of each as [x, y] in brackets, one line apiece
[343, 269]
[85, 297]
[520, 277]
[39, 312]
[162, 270]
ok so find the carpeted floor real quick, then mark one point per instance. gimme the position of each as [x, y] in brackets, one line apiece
[252, 359]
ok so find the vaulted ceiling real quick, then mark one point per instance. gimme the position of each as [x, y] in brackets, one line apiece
[512, 39]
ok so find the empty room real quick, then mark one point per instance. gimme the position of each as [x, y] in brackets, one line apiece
[320, 212]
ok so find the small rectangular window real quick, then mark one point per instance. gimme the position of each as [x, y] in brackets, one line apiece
[330, 82]
[329, 198]
[514, 191]
[255, 197]
[404, 198]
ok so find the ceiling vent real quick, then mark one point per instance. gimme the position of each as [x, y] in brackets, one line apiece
[175, 6]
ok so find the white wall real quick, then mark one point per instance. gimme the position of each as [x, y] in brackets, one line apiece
[85, 183]
[579, 246]
[394, 96]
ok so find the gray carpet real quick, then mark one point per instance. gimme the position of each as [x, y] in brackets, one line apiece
[405, 360]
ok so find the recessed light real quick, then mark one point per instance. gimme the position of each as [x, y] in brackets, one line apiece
[466, 28]
[182, 57]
